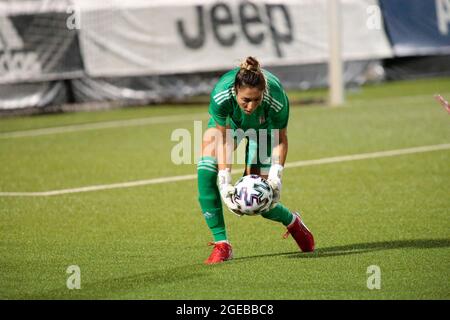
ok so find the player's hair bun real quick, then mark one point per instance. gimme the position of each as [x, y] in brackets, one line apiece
[250, 75]
[251, 64]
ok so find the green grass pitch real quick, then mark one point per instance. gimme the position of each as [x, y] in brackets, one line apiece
[149, 242]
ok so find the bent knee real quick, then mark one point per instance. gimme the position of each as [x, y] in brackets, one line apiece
[212, 141]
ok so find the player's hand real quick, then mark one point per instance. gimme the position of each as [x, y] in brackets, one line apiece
[443, 102]
[274, 180]
[227, 190]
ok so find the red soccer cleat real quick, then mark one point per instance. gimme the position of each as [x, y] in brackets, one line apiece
[222, 252]
[301, 234]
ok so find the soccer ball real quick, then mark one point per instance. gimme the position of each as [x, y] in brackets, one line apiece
[253, 195]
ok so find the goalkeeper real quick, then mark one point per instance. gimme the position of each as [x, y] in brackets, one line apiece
[246, 97]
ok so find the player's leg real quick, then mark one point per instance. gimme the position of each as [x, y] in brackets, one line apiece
[278, 213]
[258, 161]
[209, 196]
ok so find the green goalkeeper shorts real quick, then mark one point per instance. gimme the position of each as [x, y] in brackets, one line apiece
[258, 150]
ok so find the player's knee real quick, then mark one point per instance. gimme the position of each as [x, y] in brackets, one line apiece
[212, 139]
[207, 171]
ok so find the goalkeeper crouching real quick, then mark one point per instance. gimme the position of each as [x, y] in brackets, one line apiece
[246, 97]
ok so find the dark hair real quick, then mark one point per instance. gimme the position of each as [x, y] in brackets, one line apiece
[250, 75]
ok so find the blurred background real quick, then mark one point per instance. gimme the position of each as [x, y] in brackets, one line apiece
[65, 55]
[94, 191]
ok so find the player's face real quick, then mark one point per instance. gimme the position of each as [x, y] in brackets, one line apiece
[249, 99]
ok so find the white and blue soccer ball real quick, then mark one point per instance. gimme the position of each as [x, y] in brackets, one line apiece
[253, 195]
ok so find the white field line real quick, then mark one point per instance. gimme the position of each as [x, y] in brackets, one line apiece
[303, 163]
[171, 119]
[104, 125]
[372, 155]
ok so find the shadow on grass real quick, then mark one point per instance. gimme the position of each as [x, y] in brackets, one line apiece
[358, 248]
[116, 288]
[139, 284]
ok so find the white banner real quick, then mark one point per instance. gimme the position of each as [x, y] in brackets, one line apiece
[137, 37]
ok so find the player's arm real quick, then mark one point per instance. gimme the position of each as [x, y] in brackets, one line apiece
[224, 156]
[280, 116]
[279, 154]
[224, 149]
[443, 102]
[280, 150]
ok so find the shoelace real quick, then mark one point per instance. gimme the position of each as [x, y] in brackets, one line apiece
[220, 250]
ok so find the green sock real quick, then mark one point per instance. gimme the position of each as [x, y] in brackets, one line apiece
[209, 197]
[280, 214]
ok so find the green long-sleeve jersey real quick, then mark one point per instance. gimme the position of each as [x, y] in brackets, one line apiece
[272, 113]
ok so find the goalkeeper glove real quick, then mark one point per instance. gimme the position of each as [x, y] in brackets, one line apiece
[274, 180]
[227, 190]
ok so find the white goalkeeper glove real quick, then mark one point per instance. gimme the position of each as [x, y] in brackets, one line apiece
[274, 180]
[227, 190]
